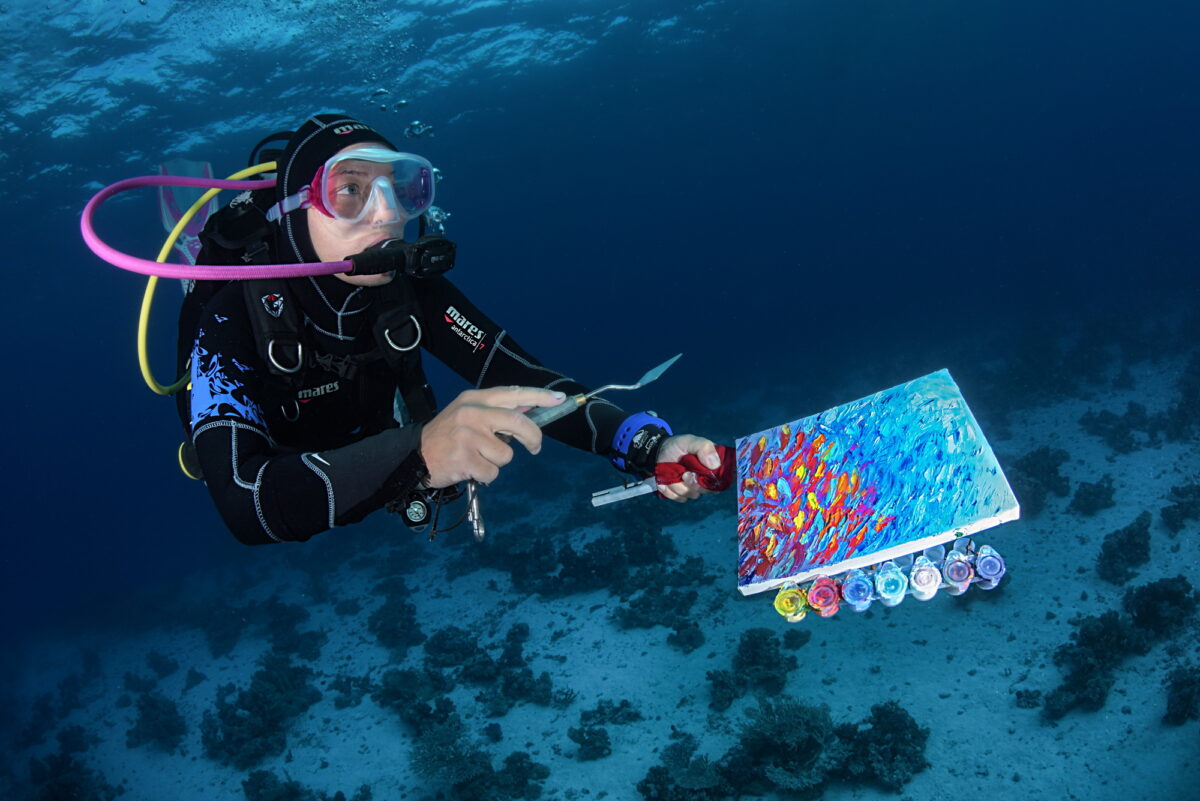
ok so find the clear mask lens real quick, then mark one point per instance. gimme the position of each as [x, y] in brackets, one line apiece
[376, 185]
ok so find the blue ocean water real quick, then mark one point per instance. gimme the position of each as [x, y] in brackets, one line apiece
[811, 200]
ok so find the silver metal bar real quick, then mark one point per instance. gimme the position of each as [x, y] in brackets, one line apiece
[624, 491]
[543, 416]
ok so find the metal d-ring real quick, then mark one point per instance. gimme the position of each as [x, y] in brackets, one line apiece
[387, 335]
[274, 361]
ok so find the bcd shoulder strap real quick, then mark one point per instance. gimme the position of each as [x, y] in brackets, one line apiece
[397, 330]
[240, 233]
[277, 324]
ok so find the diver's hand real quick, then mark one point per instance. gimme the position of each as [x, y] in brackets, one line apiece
[674, 449]
[460, 443]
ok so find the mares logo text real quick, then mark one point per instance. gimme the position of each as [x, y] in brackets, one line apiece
[316, 392]
[472, 334]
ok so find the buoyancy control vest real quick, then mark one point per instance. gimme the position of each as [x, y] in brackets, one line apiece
[240, 234]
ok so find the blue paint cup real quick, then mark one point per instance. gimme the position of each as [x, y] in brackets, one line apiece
[858, 590]
[989, 566]
[890, 584]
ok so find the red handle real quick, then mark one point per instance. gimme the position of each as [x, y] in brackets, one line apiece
[714, 480]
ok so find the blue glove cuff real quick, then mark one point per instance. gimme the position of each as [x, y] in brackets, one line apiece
[628, 430]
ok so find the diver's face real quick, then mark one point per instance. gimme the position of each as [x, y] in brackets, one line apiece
[334, 240]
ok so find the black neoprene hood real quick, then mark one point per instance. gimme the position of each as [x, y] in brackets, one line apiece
[319, 138]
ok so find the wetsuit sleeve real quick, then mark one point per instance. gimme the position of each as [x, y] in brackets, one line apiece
[265, 493]
[460, 335]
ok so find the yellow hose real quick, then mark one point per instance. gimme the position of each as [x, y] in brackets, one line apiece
[152, 283]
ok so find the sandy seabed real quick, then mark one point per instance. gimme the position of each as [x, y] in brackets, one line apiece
[953, 663]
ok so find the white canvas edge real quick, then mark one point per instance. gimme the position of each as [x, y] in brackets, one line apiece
[895, 552]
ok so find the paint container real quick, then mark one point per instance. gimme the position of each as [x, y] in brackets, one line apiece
[823, 596]
[857, 590]
[924, 579]
[957, 572]
[989, 567]
[890, 584]
[791, 602]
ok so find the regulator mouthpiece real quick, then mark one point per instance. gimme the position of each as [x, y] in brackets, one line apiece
[429, 256]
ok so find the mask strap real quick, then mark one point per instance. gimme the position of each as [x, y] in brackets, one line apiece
[289, 204]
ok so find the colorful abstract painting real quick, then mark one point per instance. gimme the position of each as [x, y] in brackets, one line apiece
[890, 474]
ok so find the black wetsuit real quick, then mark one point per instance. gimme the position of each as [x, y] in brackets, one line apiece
[285, 460]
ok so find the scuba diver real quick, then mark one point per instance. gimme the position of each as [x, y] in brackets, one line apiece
[308, 407]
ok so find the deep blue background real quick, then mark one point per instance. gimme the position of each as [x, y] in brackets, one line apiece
[808, 188]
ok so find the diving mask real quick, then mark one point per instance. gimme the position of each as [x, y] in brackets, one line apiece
[368, 183]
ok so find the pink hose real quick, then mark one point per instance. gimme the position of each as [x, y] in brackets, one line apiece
[195, 271]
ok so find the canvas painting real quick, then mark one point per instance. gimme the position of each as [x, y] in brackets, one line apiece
[884, 476]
